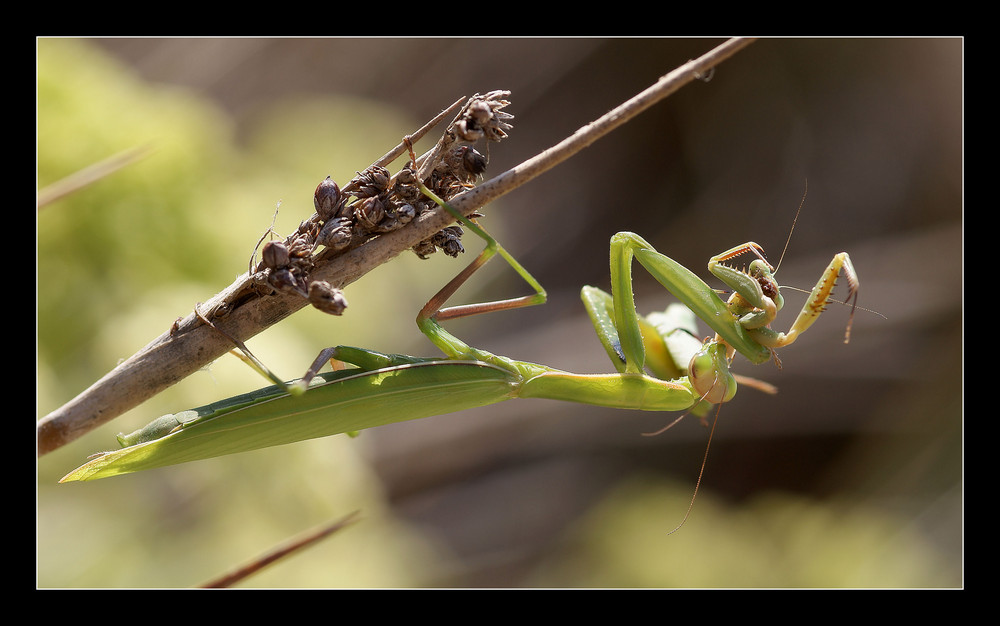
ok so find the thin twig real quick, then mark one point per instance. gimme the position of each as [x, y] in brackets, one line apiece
[279, 552]
[191, 345]
[88, 175]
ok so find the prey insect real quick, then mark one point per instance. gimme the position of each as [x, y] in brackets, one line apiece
[658, 366]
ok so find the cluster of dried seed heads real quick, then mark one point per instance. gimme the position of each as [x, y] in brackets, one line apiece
[455, 164]
[383, 203]
[285, 266]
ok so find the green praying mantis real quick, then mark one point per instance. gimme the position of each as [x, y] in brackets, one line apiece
[660, 366]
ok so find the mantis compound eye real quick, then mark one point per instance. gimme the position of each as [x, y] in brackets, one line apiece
[709, 373]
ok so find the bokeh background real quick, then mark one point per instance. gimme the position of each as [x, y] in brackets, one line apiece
[850, 477]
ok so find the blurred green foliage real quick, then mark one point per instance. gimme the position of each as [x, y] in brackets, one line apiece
[770, 541]
[119, 260]
[101, 247]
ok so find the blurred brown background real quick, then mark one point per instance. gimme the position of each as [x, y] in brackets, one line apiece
[859, 454]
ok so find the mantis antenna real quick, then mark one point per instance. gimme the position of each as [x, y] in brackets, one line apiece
[792, 229]
[708, 444]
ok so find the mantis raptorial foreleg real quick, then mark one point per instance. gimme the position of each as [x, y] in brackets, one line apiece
[757, 299]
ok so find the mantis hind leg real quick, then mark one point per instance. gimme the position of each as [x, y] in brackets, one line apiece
[366, 360]
[434, 311]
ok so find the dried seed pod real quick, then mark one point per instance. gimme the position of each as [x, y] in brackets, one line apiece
[472, 160]
[307, 231]
[283, 280]
[379, 178]
[301, 245]
[275, 255]
[424, 249]
[335, 234]
[369, 212]
[326, 297]
[449, 240]
[424, 205]
[405, 213]
[448, 185]
[484, 117]
[327, 198]
[496, 128]
[281, 271]
[406, 189]
[470, 127]
[372, 182]
[396, 218]
[406, 176]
